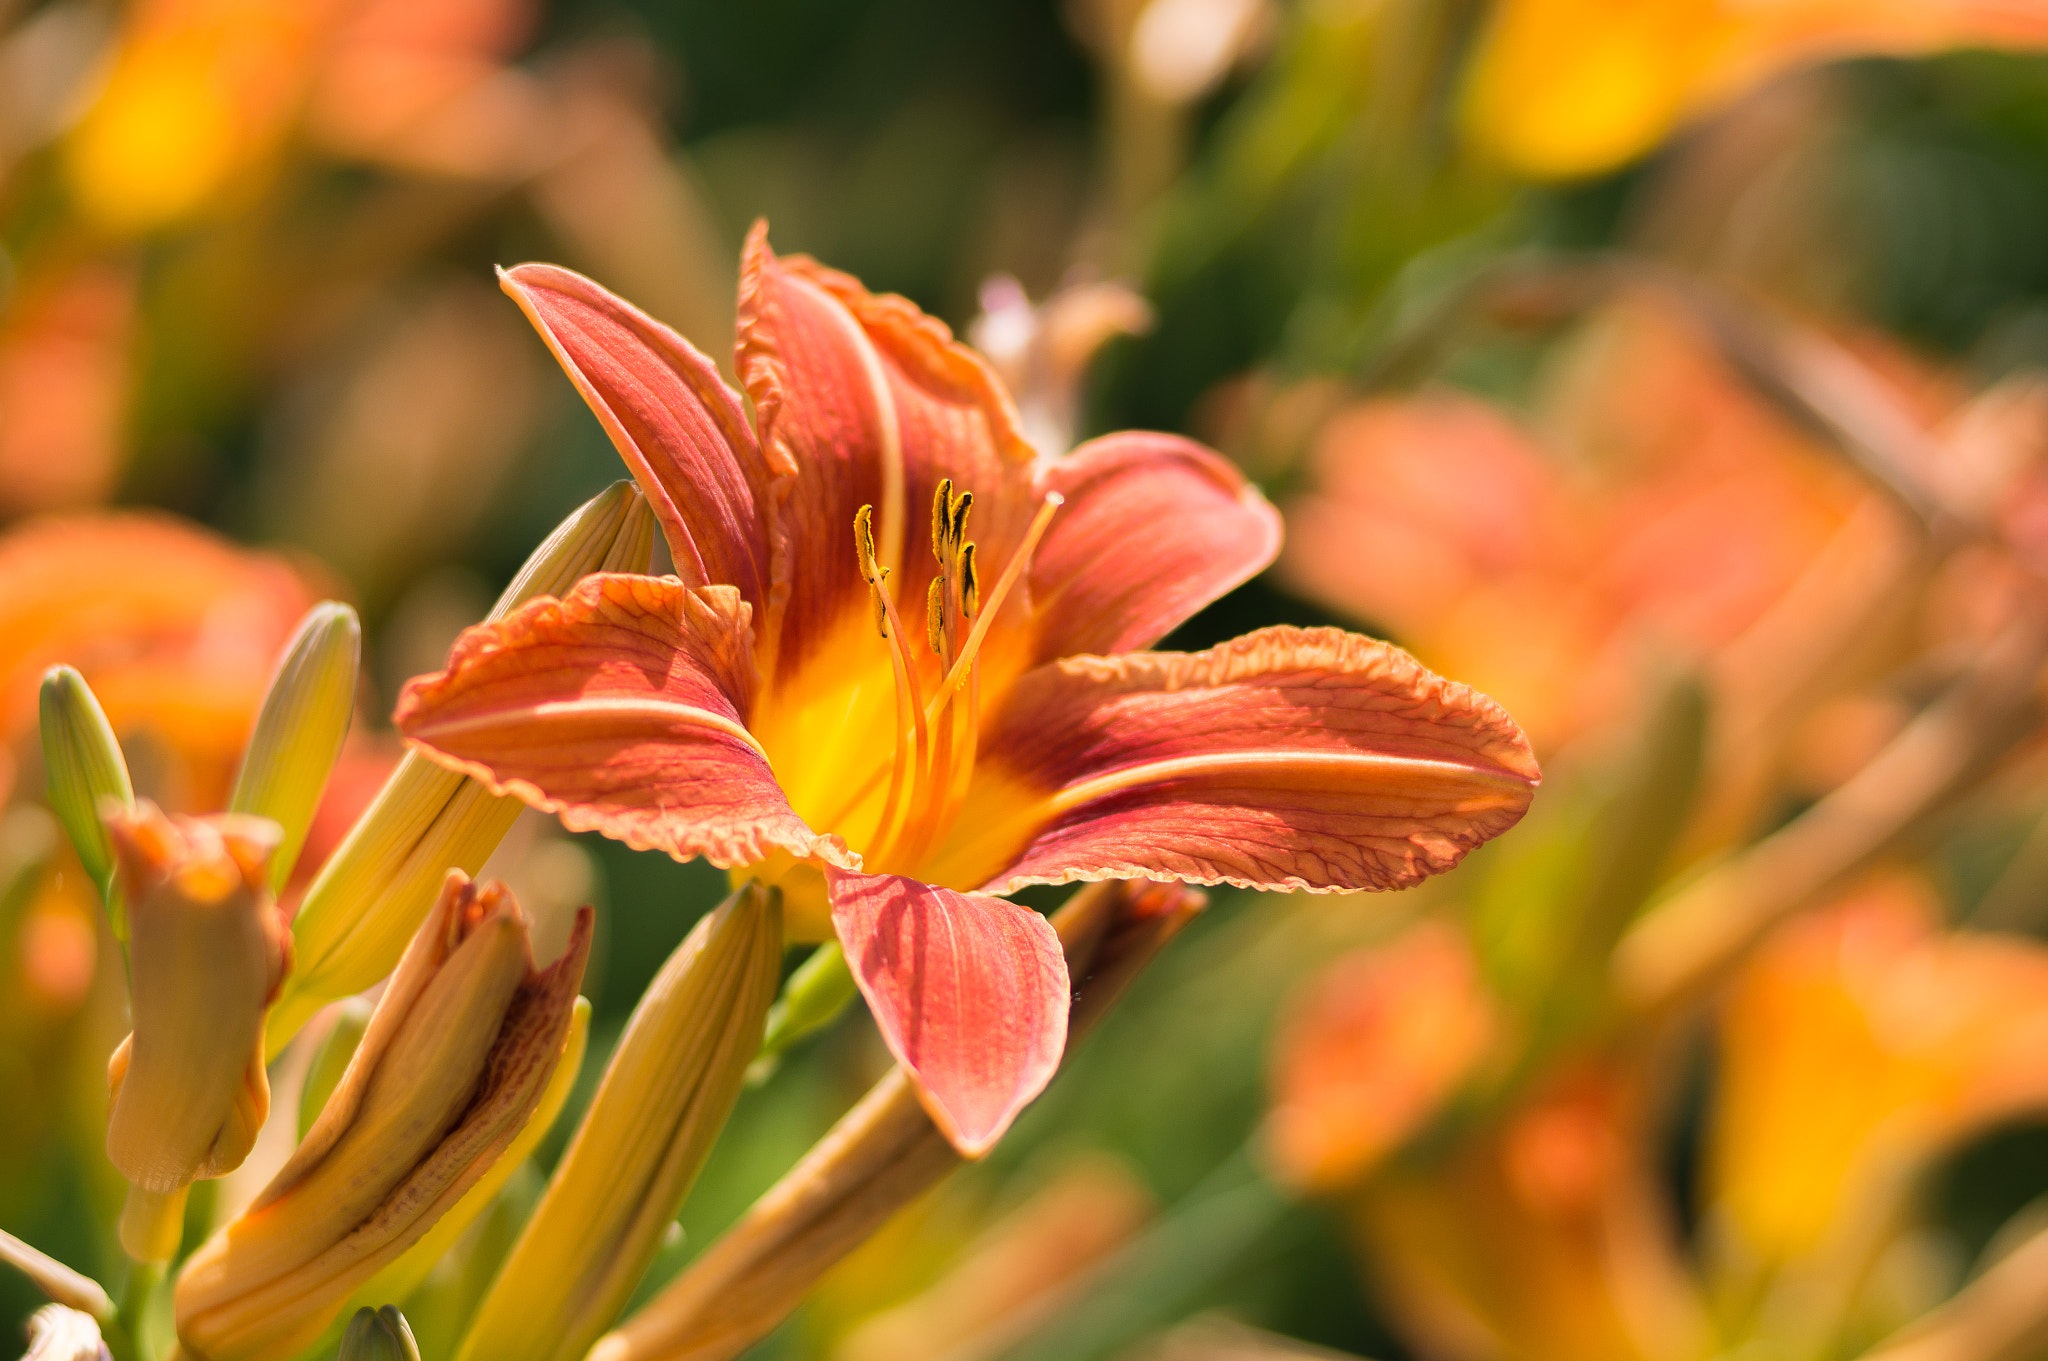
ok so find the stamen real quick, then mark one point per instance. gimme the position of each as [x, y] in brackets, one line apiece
[958, 516]
[935, 616]
[970, 585]
[911, 731]
[1019, 560]
[942, 516]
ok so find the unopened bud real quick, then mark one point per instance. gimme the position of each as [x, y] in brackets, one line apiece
[379, 1335]
[666, 1095]
[56, 1333]
[299, 730]
[207, 951]
[372, 893]
[85, 766]
[455, 1060]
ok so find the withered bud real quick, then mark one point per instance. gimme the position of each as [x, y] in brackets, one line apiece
[452, 1065]
[59, 1333]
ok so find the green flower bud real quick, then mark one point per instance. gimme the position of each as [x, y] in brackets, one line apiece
[84, 765]
[378, 1335]
[370, 896]
[298, 733]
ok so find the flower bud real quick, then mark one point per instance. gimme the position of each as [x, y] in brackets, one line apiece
[299, 730]
[84, 766]
[456, 1058]
[405, 1275]
[57, 1333]
[379, 1335]
[207, 950]
[666, 1095]
[883, 1154]
[373, 891]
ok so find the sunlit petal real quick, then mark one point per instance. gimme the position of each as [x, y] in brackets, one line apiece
[867, 401]
[970, 992]
[1154, 528]
[1288, 758]
[622, 708]
[673, 419]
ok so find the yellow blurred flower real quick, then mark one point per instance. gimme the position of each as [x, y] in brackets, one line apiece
[1563, 88]
[1861, 1042]
[200, 93]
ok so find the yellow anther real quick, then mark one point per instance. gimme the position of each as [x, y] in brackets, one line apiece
[970, 585]
[942, 520]
[864, 543]
[957, 530]
[879, 601]
[935, 616]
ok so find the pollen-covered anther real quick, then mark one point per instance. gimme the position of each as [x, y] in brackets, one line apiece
[942, 521]
[970, 584]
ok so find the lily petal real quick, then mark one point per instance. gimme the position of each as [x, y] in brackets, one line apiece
[1155, 527]
[673, 419]
[622, 708]
[1287, 759]
[865, 400]
[970, 993]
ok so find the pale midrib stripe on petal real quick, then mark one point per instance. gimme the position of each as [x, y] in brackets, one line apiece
[617, 707]
[888, 432]
[1352, 764]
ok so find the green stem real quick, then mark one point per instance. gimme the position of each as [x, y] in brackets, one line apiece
[814, 996]
[127, 1335]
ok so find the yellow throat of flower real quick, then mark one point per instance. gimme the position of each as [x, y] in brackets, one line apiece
[896, 803]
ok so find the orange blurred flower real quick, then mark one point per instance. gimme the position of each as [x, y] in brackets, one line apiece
[1674, 514]
[1379, 1043]
[176, 631]
[64, 344]
[1563, 88]
[1540, 1239]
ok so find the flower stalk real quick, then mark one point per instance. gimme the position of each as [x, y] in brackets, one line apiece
[882, 1155]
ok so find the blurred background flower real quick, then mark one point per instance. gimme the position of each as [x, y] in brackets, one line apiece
[1670, 370]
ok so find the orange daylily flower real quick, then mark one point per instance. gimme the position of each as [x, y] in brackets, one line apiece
[1678, 512]
[1576, 87]
[1572, 1257]
[176, 631]
[769, 709]
[1859, 1043]
[64, 359]
[1381, 1040]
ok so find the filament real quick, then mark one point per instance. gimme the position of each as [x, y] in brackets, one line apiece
[1019, 560]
